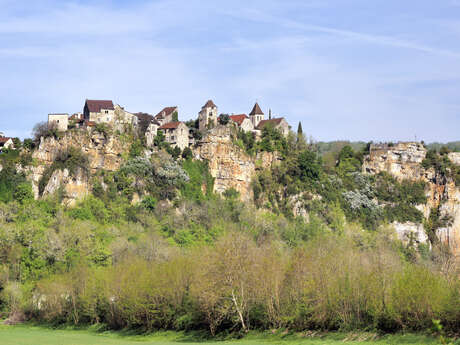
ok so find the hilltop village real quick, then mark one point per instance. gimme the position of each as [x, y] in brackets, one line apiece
[176, 133]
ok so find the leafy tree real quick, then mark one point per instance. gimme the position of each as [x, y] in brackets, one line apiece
[224, 119]
[175, 116]
[187, 153]
[309, 166]
[23, 192]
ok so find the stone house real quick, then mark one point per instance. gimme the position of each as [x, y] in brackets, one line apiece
[6, 143]
[123, 116]
[148, 126]
[166, 115]
[277, 123]
[256, 115]
[99, 111]
[207, 117]
[176, 133]
[60, 121]
[243, 122]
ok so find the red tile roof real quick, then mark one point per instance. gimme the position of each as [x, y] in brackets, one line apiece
[171, 125]
[275, 122]
[238, 118]
[167, 111]
[209, 104]
[90, 123]
[3, 140]
[256, 110]
[95, 106]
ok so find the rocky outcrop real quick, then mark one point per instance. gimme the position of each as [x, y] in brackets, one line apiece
[410, 231]
[403, 161]
[103, 152]
[74, 186]
[230, 165]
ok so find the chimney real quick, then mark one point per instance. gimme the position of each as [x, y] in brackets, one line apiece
[269, 114]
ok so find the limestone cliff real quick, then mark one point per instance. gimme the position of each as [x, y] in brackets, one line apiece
[103, 152]
[403, 161]
[230, 165]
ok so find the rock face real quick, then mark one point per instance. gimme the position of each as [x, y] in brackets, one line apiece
[103, 152]
[402, 161]
[230, 166]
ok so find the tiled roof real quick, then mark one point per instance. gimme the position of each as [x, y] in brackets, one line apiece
[95, 106]
[167, 111]
[3, 140]
[256, 110]
[209, 104]
[275, 122]
[171, 125]
[239, 118]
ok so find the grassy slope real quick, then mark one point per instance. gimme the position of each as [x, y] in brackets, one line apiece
[30, 335]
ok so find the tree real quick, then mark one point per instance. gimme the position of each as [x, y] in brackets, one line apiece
[309, 166]
[299, 130]
[159, 139]
[175, 116]
[187, 153]
[43, 129]
[23, 192]
[28, 144]
[224, 119]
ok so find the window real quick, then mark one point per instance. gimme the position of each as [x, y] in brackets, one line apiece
[106, 111]
[57, 121]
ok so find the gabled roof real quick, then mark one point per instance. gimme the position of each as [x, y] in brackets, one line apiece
[95, 106]
[171, 125]
[209, 104]
[166, 111]
[275, 122]
[256, 110]
[238, 118]
[3, 140]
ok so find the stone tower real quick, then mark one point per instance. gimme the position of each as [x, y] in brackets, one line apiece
[207, 116]
[256, 115]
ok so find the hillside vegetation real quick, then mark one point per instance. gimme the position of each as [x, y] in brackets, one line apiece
[184, 258]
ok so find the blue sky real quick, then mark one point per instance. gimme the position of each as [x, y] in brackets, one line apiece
[347, 69]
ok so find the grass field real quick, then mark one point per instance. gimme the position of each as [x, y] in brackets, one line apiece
[33, 335]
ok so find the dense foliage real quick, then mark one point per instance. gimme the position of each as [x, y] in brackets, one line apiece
[184, 258]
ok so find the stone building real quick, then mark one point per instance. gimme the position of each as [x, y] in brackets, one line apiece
[60, 121]
[277, 123]
[243, 122]
[167, 115]
[176, 133]
[256, 115]
[207, 117]
[148, 126]
[6, 143]
[124, 117]
[99, 111]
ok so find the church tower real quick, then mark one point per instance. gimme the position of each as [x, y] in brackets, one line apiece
[207, 116]
[256, 115]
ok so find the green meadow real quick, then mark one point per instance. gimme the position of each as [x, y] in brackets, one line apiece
[38, 335]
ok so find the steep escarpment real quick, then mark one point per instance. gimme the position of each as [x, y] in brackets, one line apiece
[229, 164]
[404, 162]
[102, 151]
